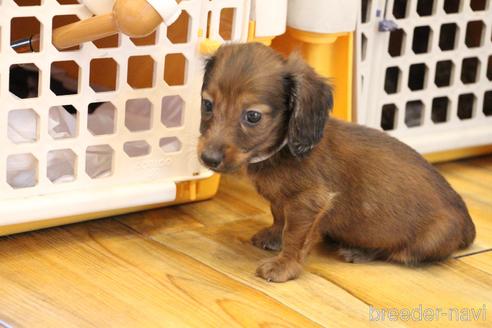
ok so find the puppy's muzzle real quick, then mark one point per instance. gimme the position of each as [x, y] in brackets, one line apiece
[212, 158]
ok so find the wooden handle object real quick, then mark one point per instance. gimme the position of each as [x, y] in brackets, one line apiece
[135, 18]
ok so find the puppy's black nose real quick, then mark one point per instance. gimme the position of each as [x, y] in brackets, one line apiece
[212, 158]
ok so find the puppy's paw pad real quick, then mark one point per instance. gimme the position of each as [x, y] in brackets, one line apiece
[353, 255]
[269, 239]
[278, 269]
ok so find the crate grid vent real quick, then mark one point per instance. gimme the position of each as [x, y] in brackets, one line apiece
[132, 104]
[428, 82]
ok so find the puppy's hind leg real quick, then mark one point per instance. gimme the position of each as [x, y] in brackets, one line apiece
[442, 237]
[271, 238]
[357, 255]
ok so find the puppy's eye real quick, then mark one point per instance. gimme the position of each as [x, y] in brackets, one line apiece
[252, 117]
[207, 106]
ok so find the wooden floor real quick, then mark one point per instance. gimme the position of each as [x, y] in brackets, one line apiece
[193, 265]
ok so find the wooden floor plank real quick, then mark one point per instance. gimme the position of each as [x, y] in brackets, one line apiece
[453, 284]
[235, 200]
[163, 220]
[469, 188]
[227, 249]
[466, 170]
[482, 261]
[104, 274]
[484, 162]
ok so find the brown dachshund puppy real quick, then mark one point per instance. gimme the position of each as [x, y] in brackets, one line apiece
[372, 195]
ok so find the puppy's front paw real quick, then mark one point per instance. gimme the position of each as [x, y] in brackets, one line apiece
[268, 238]
[278, 269]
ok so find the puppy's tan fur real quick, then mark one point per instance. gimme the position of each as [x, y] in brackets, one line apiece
[373, 196]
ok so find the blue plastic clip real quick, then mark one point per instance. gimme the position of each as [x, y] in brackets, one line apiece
[387, 25]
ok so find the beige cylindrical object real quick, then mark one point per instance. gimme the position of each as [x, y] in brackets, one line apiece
[93, 28]
[135, 18]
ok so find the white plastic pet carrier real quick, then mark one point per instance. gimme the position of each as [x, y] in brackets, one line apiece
[425, 71]
[107, 125]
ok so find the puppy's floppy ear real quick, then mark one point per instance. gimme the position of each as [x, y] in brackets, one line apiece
[309, 98]
[209, 65]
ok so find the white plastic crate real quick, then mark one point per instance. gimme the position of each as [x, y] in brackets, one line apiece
[144, 139]
[429, 81]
